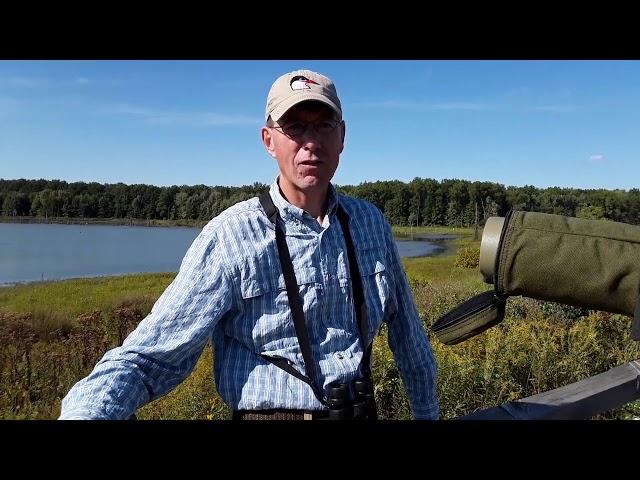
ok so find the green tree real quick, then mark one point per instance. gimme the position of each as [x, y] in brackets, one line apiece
[590, 212]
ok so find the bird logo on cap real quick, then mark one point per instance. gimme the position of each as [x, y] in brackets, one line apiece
[301, 83]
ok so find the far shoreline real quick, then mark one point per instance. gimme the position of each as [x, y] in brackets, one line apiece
[97, 278]
[126, 222]
[419, 236]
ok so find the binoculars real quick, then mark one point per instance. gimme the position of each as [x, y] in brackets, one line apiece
[352, 401]
[593, 264]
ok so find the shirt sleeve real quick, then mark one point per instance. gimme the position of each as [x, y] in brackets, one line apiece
[163, 350]
[410, 346]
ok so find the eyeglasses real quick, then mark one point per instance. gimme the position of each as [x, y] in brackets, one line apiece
[297, 129]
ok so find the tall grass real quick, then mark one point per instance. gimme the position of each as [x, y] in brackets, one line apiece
[71, 298]
[538, 347]
[42, 354]
[194, 399]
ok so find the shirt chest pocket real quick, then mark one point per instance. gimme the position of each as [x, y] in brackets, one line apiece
[266, 323]
[372, 265]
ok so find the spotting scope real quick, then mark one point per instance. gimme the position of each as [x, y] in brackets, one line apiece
[593, 264]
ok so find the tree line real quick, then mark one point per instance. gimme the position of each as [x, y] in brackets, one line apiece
[421, 202]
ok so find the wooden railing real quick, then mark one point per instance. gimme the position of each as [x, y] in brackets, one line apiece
[580, 400]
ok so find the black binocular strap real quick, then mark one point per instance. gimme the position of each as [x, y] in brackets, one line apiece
[295, 304]
[358, 293]
[295, 301]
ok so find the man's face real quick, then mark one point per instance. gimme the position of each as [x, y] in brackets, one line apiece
[306, 160]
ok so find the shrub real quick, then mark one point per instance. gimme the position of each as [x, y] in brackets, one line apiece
[467, 257]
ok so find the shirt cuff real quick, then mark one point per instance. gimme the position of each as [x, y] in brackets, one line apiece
[82, 414]
[426, 413]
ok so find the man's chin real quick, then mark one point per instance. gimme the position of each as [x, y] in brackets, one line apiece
[312, 182]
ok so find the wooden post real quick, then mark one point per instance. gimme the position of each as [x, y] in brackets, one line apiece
[577, 401]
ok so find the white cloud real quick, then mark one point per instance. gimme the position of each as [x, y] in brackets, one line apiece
[461, 106]
[410, 105]
[215, 119]
[9, 106]
[517, 92]
[9, 102]
[553, 108]
[128, 109]
[596, 158]
[23, 82]
[190, 119]
[201, 119]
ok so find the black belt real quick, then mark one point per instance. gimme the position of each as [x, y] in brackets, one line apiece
[280, 414]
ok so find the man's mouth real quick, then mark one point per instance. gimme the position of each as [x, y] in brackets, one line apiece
[311, 163]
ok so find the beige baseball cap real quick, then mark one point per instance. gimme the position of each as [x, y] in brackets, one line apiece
[300, 86]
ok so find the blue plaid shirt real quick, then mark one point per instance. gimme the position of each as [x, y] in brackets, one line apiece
[230, 289]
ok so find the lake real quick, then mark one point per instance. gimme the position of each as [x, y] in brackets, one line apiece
[37, 252]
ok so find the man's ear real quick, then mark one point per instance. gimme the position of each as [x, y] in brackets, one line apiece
[267, 140]
[343, 128]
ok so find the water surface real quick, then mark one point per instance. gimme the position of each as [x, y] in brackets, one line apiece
[37, 252]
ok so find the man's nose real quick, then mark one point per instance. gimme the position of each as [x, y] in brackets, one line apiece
[310, 135]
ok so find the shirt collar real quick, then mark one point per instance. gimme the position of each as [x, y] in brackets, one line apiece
[288, 210]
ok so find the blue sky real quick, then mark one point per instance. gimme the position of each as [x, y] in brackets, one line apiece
[543, 123]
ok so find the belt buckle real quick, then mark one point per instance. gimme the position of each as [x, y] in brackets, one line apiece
[307, 415]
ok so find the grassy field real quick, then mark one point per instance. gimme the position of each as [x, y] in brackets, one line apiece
[74, 297]
[52, 334]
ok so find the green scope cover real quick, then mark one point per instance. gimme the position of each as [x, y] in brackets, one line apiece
[585, 263]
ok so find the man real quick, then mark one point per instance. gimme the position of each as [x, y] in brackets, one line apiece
[291, 288]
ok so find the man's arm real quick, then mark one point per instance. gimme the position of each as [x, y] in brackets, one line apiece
[409, 343]
[163, 350]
